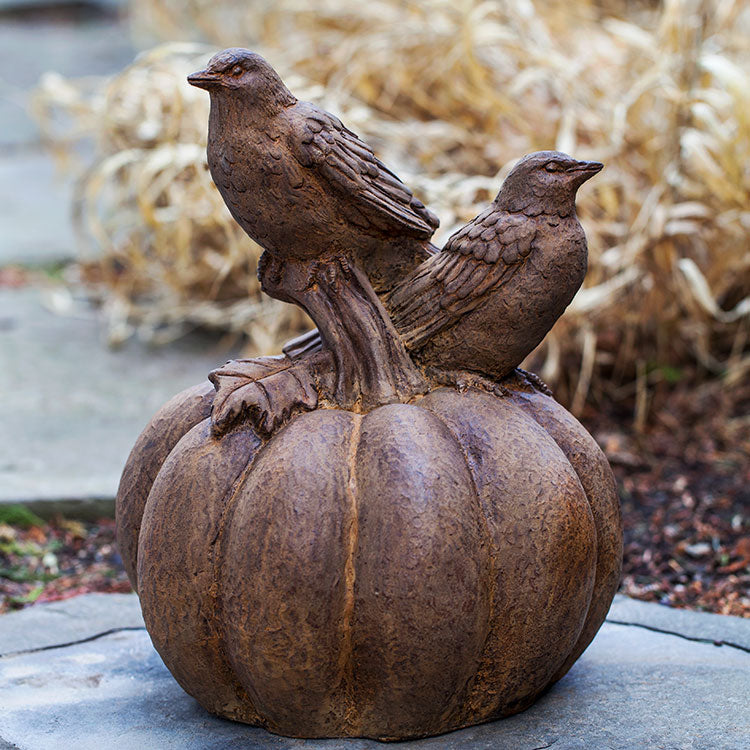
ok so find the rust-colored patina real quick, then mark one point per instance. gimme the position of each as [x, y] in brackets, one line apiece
[389, 530]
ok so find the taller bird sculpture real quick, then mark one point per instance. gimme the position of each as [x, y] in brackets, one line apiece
[333, 219]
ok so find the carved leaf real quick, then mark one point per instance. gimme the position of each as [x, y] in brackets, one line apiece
[265, 391]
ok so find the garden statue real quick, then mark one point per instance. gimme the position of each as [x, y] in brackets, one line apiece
[389, 530]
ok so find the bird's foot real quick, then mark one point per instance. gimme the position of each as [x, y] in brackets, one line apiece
[534, 380]
[267, 391]
[462, 380]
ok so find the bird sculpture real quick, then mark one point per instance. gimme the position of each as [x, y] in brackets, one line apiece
[346, 240]
[335, 223]
[489, 297]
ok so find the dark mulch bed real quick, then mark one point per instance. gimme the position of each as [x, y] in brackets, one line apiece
[685, 489]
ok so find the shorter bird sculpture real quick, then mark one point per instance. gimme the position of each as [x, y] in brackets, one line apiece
[489, 297]
[473, 312]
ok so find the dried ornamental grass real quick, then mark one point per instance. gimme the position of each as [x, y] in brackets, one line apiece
[451, 93]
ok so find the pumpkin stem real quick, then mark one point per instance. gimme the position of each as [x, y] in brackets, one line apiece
[371, 364]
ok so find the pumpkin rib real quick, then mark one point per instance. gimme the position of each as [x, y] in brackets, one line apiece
[421, 588]
[496, 428]
[186, 594]
[216, 558]
[346, 657]
[282, 557]
[590, 463]
[167, 427]
[493, 568]
[217, 581]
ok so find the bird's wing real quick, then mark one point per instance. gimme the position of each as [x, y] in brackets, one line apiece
[478, 259]
[378, 198]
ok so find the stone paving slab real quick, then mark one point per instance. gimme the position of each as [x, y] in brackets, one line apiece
[633, 689]
[35, 38]
[35, 206]
[703, 626]
[20, 6]
[72, 408]
[71, 620]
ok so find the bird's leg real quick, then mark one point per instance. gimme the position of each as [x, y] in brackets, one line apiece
[462, 380]
[371, 365]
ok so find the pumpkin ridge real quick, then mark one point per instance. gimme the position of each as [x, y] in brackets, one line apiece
[419, 587]
[346, 658]
[215, 556]
[283, 548]
[129, 510]
[492, 584]
[585, 448]
[479, 409]
[162, 504]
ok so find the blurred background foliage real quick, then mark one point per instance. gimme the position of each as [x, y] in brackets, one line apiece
[450, 93]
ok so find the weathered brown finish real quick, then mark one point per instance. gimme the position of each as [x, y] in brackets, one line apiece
[359, 334]
[299, 182]
[420, 583]
[397, 574]
[333, 543]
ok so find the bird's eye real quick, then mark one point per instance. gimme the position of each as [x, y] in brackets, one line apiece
[237, 70]
[552, 166]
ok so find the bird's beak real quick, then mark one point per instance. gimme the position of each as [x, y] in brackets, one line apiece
[583, 170]
[589, 167]
[203, 79]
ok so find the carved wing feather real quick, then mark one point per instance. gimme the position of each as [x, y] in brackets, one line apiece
[321, 142]
[477, 259]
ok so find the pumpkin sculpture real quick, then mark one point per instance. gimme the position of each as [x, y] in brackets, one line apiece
[388, 531]
[405, 572]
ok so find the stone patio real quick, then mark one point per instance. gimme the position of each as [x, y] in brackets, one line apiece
[82, 674]
[37, 37]
[73, 407]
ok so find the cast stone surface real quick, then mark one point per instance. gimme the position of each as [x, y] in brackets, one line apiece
[388, 531]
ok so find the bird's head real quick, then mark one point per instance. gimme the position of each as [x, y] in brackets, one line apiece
[545, 182]
[243, 75]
